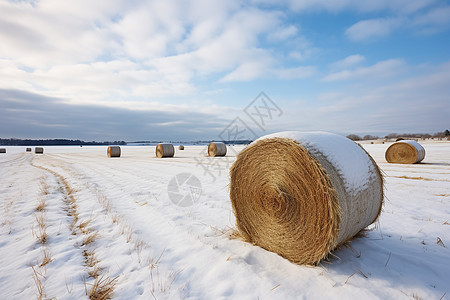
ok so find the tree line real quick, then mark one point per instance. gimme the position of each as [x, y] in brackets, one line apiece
[55, 142]
[443, 134]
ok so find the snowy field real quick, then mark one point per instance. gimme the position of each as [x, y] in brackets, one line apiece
[74, 222]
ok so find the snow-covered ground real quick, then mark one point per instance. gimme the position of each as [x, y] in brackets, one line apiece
[159, 228]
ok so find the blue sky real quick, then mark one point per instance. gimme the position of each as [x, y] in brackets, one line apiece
[185, 70]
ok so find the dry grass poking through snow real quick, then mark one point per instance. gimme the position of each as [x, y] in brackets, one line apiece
[102, 288]
[41, 294]
[159, 282]
[42, 238]
[41, 234]
[46, 257]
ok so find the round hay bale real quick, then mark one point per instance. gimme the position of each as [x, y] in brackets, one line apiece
[181, 147]
[301, 195]
[28, 150]
[405, 152]
[2, 150]
[399, 139]
[39, 150]
[165, 150]
[113, 151]
[217, 149]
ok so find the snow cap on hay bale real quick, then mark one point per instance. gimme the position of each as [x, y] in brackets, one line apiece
[39, 150]
[181, 147]
[113, 151]
[217, 149]
[28, 149]
[2, 150]
[302, 194]
[405, 152]
[165, 150]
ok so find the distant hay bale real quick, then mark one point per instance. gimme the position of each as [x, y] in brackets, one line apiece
[217, 149]
[39, 150]
[28, 149]
[301, 195]
[405, 152]
[2, 150]
[113, 151]
[399, 139]
[165, 150]
[181, 147]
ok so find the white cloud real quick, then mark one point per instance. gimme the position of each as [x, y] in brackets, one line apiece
[296, 73]
[434, 19]
[383, 69]
[349, 62]
[419, 18]
[417, 103]
[257, 66]
[282, 33]
[396, 6]
[374, 28]
[112, 50]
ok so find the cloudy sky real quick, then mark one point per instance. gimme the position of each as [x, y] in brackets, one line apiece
[194, 69]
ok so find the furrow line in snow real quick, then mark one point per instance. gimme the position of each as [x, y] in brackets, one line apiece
[420, 178]
[116, 235]
[96, 276]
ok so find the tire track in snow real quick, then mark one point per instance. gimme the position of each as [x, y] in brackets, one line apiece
[157, 279]
[96, 277]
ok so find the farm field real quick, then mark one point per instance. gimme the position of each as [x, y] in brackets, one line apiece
[75, 222]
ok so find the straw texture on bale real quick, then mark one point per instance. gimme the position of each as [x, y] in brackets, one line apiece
[301, 195]
[2, 150]
[165, 150]
[28, 149]
[113, 151]
[39, 150]
[217, 149]
[181, 147]
[405, 152]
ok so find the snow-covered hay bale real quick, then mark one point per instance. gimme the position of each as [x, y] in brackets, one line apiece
[181, 147]
[399, 139]
[39, 150]
[113, 151]
[2, 150]
[217, 149]
[28, 149]
[301, 195]
[405, 152]
[165, 150]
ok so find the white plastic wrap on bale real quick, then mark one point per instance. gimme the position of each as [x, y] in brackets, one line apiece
[358, 181]
[217, 149]
[420, 150]
[165, 150]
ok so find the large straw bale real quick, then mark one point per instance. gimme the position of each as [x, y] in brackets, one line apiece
[113, 151]
[217, 149]
[165, 150]
[301, 195]
[405, 152]
[39, 150]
